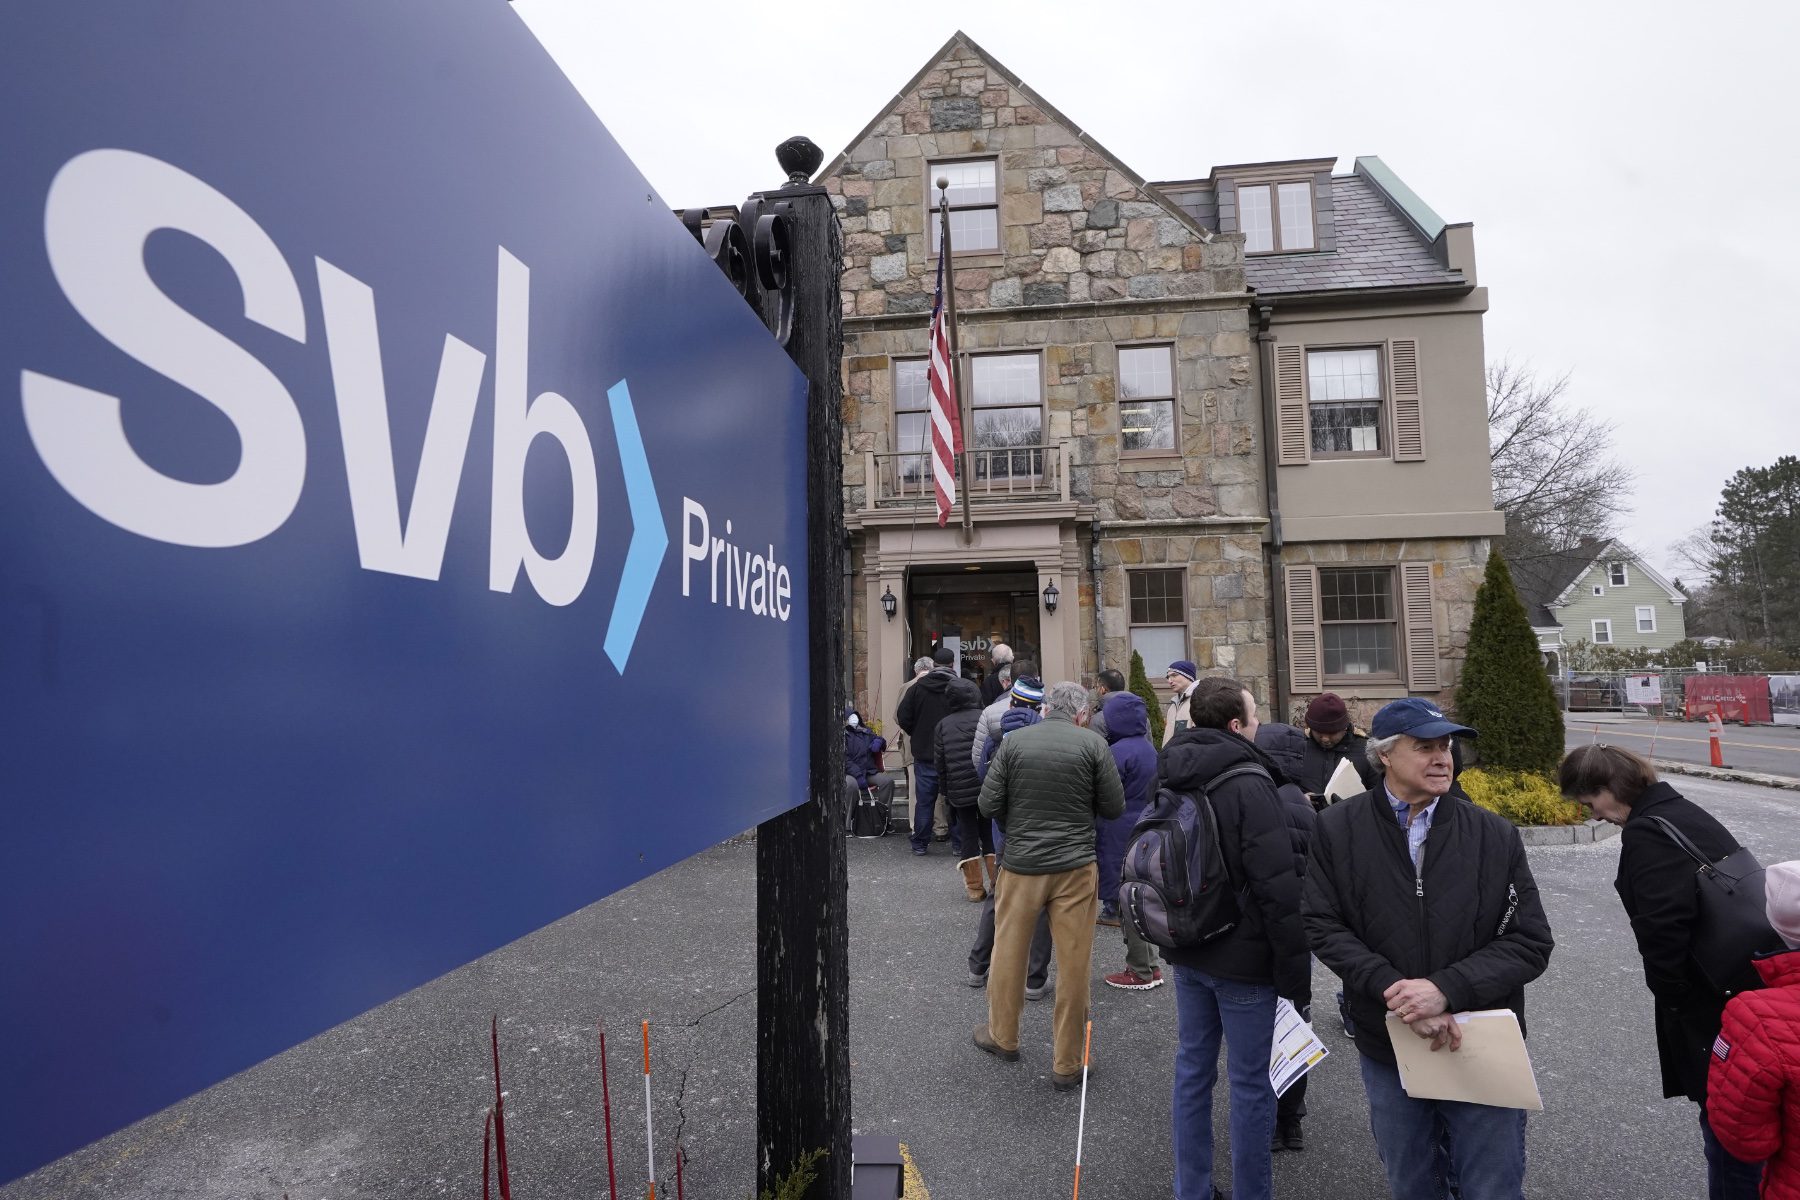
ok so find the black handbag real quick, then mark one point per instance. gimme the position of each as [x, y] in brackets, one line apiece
[1733, 925]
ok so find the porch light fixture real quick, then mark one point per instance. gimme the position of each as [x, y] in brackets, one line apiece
[889, 603]
[1051, 596]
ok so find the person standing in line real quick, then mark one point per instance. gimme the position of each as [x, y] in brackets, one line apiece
[1226, 989]
[924, 704]
[1753, 1081]
[988, 728]
[960, 786]
[1127, 734]
[1286, 747]
[1424, 905]
[1106, 683]
[1180, 677]
[1045, 787]
[999, 676]
[1656, 885]
[1028, 694]
[1330, 740]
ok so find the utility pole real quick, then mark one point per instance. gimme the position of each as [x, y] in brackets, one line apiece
[802, 885]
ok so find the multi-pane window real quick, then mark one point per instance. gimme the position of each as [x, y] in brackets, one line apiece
[1615, 572]
[974, 205]
[1344, 401]
[1277, 218]
[1359, 623]
[1008, 415]
[1646, 618]
[1146, 398]
[1603, 632]
[1007, 407]
[1158, 602]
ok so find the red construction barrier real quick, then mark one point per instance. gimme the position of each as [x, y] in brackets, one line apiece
[1740, 698]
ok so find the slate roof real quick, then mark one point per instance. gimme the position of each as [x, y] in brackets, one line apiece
[1376, 247]
[1542, 578]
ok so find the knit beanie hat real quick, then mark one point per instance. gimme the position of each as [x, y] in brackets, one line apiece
[1029, 690]
[1184, 667]
[1326, 714]
[1781, 895]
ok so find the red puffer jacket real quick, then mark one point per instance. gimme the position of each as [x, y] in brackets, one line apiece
[1753, 1098]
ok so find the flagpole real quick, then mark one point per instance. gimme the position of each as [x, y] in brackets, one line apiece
[962, 405]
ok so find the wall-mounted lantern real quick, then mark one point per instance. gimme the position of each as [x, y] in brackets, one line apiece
[889, 603]
[1051, 596]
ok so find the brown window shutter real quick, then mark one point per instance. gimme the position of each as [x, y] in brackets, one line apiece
[1305, 665]
[1293, 438]
[1421, 627]
[1409, 423]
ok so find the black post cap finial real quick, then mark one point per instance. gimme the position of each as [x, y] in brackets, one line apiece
[799, 157]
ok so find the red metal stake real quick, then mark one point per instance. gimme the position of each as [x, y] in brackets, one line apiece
[500, 1116]
[679, 1193]
[487, 1141]
[612, 1183]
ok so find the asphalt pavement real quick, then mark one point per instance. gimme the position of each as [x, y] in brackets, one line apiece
[1767, 749]
[390, 1105]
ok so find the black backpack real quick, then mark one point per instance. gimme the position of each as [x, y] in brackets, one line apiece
[1176, 891]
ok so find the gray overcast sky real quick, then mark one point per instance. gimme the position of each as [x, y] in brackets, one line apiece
[1632, 169]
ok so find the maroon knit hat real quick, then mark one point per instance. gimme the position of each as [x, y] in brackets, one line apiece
[1326, 714]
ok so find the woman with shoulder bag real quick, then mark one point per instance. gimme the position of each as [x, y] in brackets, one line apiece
[1659, 889]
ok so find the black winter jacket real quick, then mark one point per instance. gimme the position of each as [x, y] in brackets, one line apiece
[1470, 920]
[1318, 762]
[1657, 886]
[1268, 944]
[1284, 745]
[958, 783]
[925, 704]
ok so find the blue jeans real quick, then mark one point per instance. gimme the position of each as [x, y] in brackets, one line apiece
[925, 789]
[1487, 1144]
[1727, 1178]
[1243, 1014]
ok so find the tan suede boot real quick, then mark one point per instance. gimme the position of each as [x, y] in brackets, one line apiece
[971, 873]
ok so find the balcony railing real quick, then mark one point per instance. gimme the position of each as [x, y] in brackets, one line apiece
[1037, 472]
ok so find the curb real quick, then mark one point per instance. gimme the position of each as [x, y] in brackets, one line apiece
[1727, 774]
[1567, 835]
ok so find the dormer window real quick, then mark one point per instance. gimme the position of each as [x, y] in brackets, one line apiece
[1277, 218]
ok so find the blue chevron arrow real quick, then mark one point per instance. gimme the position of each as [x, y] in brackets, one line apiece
[649, 537]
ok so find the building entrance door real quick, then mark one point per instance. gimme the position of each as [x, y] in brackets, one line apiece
[982, 604]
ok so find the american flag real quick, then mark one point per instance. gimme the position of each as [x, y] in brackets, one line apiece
[946, 419]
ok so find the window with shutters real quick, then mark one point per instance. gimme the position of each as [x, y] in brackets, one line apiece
[1158, 603]
[1344, 402]
[1359, 624]
[974, 205]
[1147, 400]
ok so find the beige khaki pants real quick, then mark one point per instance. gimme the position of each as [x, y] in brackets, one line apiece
[1071, 900]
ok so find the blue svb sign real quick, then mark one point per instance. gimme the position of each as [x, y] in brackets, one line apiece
[402, 531]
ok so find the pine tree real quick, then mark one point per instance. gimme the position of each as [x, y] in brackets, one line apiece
[1504, 693]
[1140, 685]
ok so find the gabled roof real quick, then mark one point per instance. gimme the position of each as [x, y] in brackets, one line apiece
[1050, 110]
[1546, 582]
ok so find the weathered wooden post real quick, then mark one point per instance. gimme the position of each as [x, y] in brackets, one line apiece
[802, 940]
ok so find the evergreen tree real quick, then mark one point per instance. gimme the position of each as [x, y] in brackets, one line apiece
[1140, 685]
[1504, 693]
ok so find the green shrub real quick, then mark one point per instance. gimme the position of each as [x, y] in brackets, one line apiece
[1504, 693]
[1522, 797]
[794, 1185]
[1140, 685]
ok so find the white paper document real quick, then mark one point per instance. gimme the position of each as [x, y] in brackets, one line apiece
[1296, 1050]
[1345, 782]
[1491, 1067]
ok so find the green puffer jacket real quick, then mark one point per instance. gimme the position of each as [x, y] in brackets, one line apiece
[1047, 784]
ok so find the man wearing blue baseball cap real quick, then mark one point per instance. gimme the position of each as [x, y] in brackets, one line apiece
[1424, 906]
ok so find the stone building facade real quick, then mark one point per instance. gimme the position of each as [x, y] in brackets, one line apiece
[1127, 380]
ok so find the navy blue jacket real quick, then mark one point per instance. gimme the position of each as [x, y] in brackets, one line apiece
[1127, 734]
